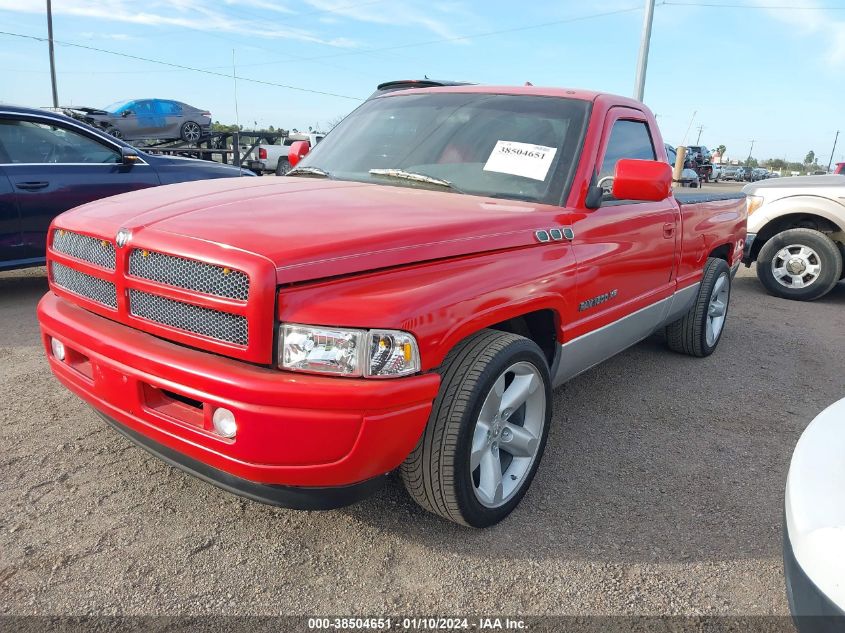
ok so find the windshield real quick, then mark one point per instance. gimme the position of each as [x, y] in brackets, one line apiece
[116, 107]
[507, 146]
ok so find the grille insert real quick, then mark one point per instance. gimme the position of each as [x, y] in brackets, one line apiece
[222, 326]
[189, 274]
[89, 249]
[85, 285]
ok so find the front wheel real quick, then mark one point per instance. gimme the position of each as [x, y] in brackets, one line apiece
[699, 331]
[799, 264]
[113, 131]
[487, 431]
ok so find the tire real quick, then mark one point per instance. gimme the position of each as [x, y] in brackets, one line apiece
[437, 474]
[190, 132]
[699, 331]
[113, 131]
[282, 167]
[811, 252]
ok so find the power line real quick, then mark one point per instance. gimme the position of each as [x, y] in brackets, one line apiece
[782, 7]
[181, 66]
[459, 38]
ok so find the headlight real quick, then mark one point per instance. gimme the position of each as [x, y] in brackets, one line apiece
[347, 352]
[752, 203]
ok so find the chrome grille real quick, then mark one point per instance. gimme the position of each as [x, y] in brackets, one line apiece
[85, 285]
[189, 274]
[215, 324]
[89, 249]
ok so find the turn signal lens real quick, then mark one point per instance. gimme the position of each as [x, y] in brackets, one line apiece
[752, 203]
[392, 353]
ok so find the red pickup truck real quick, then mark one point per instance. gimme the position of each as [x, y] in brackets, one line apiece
[406, 299]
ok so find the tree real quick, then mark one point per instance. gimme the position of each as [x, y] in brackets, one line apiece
[810, 158]
[722, 150]
[333, 122]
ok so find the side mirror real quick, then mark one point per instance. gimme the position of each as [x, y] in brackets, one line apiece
[298, 151]
[126, 113]
[129, 156]
[646, 180]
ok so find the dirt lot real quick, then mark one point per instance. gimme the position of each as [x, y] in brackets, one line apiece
[660, 493]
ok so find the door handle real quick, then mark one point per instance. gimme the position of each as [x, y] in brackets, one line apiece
[32, 185]
[668, 230]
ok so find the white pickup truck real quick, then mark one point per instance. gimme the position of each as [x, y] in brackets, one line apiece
[796, 234]
[274, 158]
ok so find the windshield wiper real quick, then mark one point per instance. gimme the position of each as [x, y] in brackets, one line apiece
[409, 175]
[307, 170]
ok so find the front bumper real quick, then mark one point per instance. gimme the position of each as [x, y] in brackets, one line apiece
[812, 610]
[294, 430]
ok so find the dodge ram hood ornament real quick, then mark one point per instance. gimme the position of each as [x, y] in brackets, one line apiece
[122, 237]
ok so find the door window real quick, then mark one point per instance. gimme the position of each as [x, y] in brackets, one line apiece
[31, 142]
[169, 108]
[628, 139]
[144, 108]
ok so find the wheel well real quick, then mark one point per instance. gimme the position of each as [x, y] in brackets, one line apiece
[792, 221]
[721, 252]
[539, 326]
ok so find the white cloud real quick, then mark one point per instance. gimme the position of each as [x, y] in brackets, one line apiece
[120, 37]
[198, 15]
[394, 13]
[826, 28]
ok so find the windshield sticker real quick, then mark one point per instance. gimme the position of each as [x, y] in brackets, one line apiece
[521, 159]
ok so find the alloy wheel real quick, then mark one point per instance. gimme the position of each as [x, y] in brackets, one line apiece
[507, 434]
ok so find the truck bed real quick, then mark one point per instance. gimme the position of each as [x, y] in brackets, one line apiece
[707, 196]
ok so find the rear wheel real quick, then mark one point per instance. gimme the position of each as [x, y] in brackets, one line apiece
[191, 132]
[487, 431]
[699, 331]
[282, 167]
[799, 264]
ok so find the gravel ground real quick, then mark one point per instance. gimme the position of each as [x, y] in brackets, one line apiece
[660, 492]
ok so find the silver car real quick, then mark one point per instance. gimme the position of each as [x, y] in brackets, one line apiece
[149, 119]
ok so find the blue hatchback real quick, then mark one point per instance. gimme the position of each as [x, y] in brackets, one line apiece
[50, 163]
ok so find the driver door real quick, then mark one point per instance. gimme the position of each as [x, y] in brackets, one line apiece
[625, 249]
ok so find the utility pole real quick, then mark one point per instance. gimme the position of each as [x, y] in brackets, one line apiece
[52, 53]
[642, 62]
[830, 162]
[700, 130]
[750, 151]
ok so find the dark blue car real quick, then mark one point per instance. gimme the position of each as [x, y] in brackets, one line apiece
[50, 163]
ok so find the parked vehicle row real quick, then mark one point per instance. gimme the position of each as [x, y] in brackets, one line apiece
[50, 163]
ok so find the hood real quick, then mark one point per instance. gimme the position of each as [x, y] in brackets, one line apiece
[797, 182]
[310, 228]
[189, 167]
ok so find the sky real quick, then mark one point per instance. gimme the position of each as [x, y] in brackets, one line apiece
[772, 71]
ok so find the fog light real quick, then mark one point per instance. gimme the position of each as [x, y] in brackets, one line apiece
[224, 423]
[58, 348]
